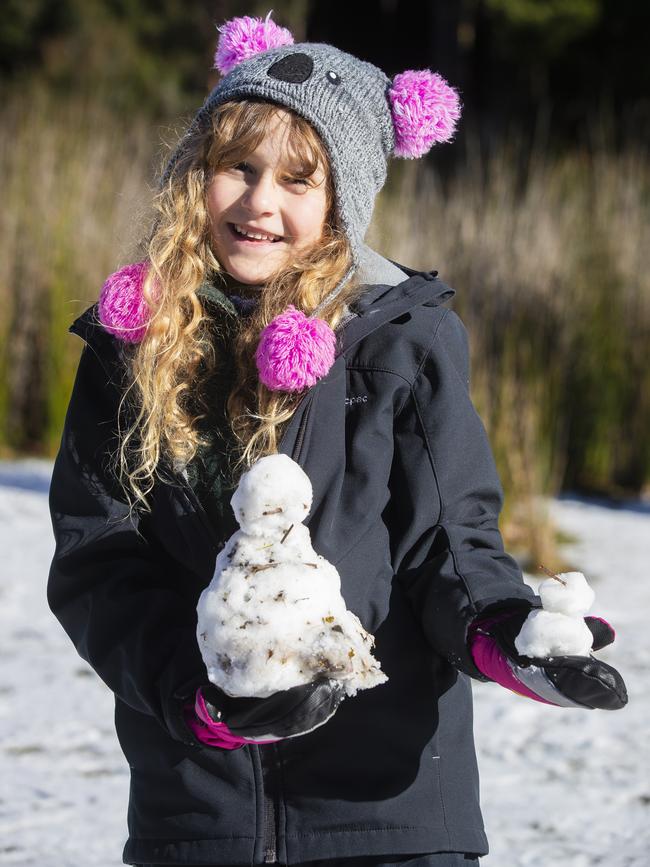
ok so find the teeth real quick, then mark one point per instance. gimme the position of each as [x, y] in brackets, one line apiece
[258, 236]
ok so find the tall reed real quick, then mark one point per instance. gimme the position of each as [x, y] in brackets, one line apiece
[549, 257]
[548, 254]
[75, 186]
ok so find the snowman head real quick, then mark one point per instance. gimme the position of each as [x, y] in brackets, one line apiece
[271, 496]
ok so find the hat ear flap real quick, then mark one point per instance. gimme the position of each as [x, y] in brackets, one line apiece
[241, 38]
[425, 110]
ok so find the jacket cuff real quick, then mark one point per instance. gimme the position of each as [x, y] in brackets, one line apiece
[175, 718]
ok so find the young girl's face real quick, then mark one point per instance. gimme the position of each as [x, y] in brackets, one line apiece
[265, 196]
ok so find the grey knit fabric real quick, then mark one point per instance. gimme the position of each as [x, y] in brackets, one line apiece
[344, 98]
[376, 269]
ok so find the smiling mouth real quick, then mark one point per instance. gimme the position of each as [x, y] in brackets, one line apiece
[243, 234]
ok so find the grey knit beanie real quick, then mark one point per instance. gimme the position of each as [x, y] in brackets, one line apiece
[362, 116]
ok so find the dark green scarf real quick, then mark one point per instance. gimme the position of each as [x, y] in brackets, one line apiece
[209, 471]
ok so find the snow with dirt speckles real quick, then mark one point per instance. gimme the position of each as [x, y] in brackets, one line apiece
[273, 617]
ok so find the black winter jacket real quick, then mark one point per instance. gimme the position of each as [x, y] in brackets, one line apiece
[406, 506]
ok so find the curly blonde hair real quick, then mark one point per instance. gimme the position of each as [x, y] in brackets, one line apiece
[168, 369]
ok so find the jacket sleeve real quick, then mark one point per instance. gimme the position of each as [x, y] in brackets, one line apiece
[113, 591]
[449, 554]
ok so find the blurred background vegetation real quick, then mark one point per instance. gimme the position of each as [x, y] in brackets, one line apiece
[538, 214]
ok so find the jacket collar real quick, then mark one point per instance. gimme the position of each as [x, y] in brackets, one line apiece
[390, 290]
[380, 304]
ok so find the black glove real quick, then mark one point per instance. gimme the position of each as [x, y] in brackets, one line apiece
[568, 681]
[294, 711]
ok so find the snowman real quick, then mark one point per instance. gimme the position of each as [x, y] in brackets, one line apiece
[558, 627]
[273, 616]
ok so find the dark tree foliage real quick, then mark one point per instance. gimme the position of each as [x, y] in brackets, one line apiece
[512, 59]
[149, 55]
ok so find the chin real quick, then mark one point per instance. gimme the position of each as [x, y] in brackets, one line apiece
[248, 277]
[251, 274]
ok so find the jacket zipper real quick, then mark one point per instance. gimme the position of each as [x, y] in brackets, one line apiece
[297, 449]
[269, 762]
[269, 758]
[191, 497]
[269, 779]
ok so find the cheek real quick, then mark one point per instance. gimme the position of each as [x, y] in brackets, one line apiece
[311, 219]
[219, 198]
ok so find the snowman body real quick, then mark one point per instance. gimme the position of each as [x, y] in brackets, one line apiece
[273, 616]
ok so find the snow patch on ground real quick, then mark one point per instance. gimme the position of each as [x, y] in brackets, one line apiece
[64, 788]
[565, 786]
[560, 788]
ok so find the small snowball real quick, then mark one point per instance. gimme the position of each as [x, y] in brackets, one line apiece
[549, 633]
[272, 495]
[573, 597]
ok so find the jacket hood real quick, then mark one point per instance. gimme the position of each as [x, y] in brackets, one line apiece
[391, 290]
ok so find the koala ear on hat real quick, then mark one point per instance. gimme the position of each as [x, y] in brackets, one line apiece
[425, 110]
[241, 38]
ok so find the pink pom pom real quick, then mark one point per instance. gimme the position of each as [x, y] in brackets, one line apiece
[294, 351]
[425, 110]
[123, 311]
[241, 38]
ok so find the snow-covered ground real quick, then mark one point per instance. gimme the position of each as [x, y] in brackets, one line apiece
[560, 788]
[567, 787]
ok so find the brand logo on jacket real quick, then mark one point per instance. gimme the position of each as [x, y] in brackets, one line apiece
[355, 399]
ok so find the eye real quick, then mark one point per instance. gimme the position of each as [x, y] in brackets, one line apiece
[332, 77]
[241, 167]
[296, 179]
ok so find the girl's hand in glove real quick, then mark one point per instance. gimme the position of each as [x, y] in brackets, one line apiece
[566, 681]
[219, 720]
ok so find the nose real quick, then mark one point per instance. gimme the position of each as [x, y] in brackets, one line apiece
[295, 68]
[260, 196]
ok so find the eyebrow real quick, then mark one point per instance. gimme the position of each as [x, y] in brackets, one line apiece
[302, 170]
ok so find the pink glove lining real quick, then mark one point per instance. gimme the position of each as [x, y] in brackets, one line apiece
[491, 662]
[606, 622]
[208, 731]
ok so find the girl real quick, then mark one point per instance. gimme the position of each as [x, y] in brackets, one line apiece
[259, 322]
